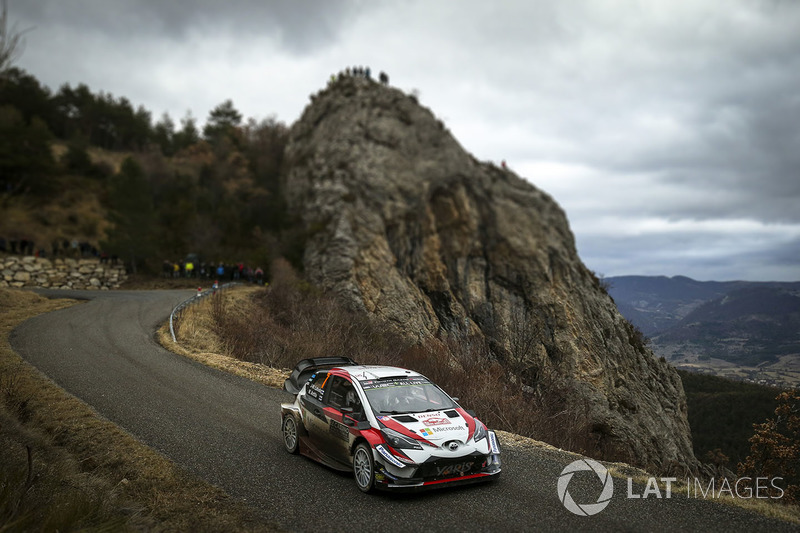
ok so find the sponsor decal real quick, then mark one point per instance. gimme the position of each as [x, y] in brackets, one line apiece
[449, 470]
[437, 421]
[339, 430]
[426, 432]
[428, 415]
[493, 443]
[388, 456]
[440, 429]
[397, 382]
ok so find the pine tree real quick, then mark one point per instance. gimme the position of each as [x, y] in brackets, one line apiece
[164, 134]
[133, 215]
[26, 161]
[188, 134]
[223, 121]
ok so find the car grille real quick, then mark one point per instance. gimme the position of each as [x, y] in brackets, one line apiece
[439, 468]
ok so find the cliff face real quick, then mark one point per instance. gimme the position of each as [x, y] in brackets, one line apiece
[404, 224]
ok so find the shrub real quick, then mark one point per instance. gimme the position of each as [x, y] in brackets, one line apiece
[775, 447]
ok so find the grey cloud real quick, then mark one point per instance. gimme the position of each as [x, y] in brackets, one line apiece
[300, 25]
[683, 255]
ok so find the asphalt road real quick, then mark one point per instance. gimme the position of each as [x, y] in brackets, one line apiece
[226, 430]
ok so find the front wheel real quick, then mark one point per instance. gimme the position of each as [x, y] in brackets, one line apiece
[364, 468]
[290, 436]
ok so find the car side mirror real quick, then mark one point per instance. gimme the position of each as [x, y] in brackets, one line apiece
[454, 398]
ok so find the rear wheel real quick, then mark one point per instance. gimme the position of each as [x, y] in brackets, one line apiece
[364, 468]
[289, 431]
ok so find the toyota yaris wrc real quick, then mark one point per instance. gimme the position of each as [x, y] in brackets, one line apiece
[392, 427]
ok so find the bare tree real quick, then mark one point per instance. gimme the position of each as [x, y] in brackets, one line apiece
[525, 334]
[10, 40]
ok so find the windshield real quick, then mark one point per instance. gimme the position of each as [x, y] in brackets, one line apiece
[394, 396]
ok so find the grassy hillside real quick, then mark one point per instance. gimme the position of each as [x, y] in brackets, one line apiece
[92, 168]
[77, 210]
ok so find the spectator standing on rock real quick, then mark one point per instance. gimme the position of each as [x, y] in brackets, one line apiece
[384, 78]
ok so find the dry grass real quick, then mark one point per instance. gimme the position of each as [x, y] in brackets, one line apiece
[85, 471]
[198, 339]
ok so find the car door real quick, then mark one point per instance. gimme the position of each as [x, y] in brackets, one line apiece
[313, 407]
[341, 400]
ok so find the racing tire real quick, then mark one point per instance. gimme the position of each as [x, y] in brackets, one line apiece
[291, 438]
[364, 468]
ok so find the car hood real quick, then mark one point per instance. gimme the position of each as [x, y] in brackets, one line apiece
[436, 426]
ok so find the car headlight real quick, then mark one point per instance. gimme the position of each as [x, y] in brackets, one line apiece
[396, 440]
[480, 431]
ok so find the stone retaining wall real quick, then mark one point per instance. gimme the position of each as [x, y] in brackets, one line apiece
[90, 274]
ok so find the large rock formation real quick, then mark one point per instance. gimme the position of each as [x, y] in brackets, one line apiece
[404, 224]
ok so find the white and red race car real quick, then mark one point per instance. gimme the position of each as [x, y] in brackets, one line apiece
[392, 427]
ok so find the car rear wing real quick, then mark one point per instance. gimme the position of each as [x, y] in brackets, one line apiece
[305, 368]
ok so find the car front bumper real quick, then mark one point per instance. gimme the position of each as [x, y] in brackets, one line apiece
[437, 472]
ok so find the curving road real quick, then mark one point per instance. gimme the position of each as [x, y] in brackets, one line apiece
[226, 430]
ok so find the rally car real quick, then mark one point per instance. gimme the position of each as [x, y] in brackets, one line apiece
[393, 428]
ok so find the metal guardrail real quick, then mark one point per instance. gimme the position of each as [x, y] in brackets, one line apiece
[193, 300]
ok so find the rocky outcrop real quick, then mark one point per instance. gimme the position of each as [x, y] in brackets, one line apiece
[404, 224]
[89, 274]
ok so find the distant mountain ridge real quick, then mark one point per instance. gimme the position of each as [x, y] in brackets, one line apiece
[749, 324]
[655, 304]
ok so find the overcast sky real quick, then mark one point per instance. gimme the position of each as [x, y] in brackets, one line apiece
[669, 131]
